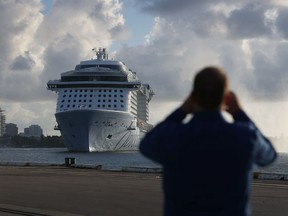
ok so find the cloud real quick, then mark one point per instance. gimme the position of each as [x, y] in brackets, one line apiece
[169, 6]
[249, 22]
[22, 62]
[247, 39]
[36, 48]
[282, 22]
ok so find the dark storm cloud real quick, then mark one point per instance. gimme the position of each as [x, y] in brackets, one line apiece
[248, 22]
[22, 62]
[270, 74]
[282, 22]
[169, 6]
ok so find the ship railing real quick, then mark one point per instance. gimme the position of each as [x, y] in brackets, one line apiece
[144, 126]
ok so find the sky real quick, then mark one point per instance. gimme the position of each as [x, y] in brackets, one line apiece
[165, 41]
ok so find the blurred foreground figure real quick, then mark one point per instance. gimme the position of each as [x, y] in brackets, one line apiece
[208, 161]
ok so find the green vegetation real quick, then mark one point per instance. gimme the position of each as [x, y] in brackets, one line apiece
[31, 142]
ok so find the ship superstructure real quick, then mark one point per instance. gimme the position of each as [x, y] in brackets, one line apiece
[101, 105]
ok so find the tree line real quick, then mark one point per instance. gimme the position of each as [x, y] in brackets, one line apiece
[31, 142]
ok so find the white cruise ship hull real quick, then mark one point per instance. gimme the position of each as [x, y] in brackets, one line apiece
[98, 130]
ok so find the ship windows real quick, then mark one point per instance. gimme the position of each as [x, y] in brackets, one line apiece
[105, 99]
[79, 100]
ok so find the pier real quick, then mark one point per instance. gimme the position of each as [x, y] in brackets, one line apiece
[71, 191]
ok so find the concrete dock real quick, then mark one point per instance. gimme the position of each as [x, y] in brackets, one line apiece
[70, 191]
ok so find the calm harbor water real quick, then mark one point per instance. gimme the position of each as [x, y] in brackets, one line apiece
[108, 160]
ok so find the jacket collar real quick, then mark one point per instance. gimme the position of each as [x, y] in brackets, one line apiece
[211, 115]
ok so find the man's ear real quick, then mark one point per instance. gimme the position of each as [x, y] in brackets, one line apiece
[226, 101]
[227, 98]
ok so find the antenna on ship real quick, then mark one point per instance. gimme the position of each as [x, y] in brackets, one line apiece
[101, 54]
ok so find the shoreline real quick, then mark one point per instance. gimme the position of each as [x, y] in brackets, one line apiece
[134, 169]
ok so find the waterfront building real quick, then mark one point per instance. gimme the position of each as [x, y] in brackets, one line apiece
[2, 122]
[33, 130]
[11, 129]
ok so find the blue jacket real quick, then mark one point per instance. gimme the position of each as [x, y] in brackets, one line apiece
[207, 162]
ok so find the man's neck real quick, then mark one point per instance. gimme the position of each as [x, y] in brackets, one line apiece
[198, 108]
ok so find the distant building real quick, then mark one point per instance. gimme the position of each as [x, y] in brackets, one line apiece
[33, 130]
[26, 132]
[11, 129]
[2, 122]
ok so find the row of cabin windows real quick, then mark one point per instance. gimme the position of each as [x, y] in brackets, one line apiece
[91, 95]
[95, 90]
[115, 101]
[104, 100]
[90, 106]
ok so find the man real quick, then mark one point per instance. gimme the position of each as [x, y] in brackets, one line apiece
[207, 162]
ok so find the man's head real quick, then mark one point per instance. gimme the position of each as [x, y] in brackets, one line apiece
[210, 88]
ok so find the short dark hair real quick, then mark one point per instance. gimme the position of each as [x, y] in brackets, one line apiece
[210, 86]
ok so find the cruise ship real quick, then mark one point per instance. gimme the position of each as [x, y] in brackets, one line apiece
[101, 105]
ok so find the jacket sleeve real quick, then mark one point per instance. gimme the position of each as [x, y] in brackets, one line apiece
[263, 151]
[158, 143]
